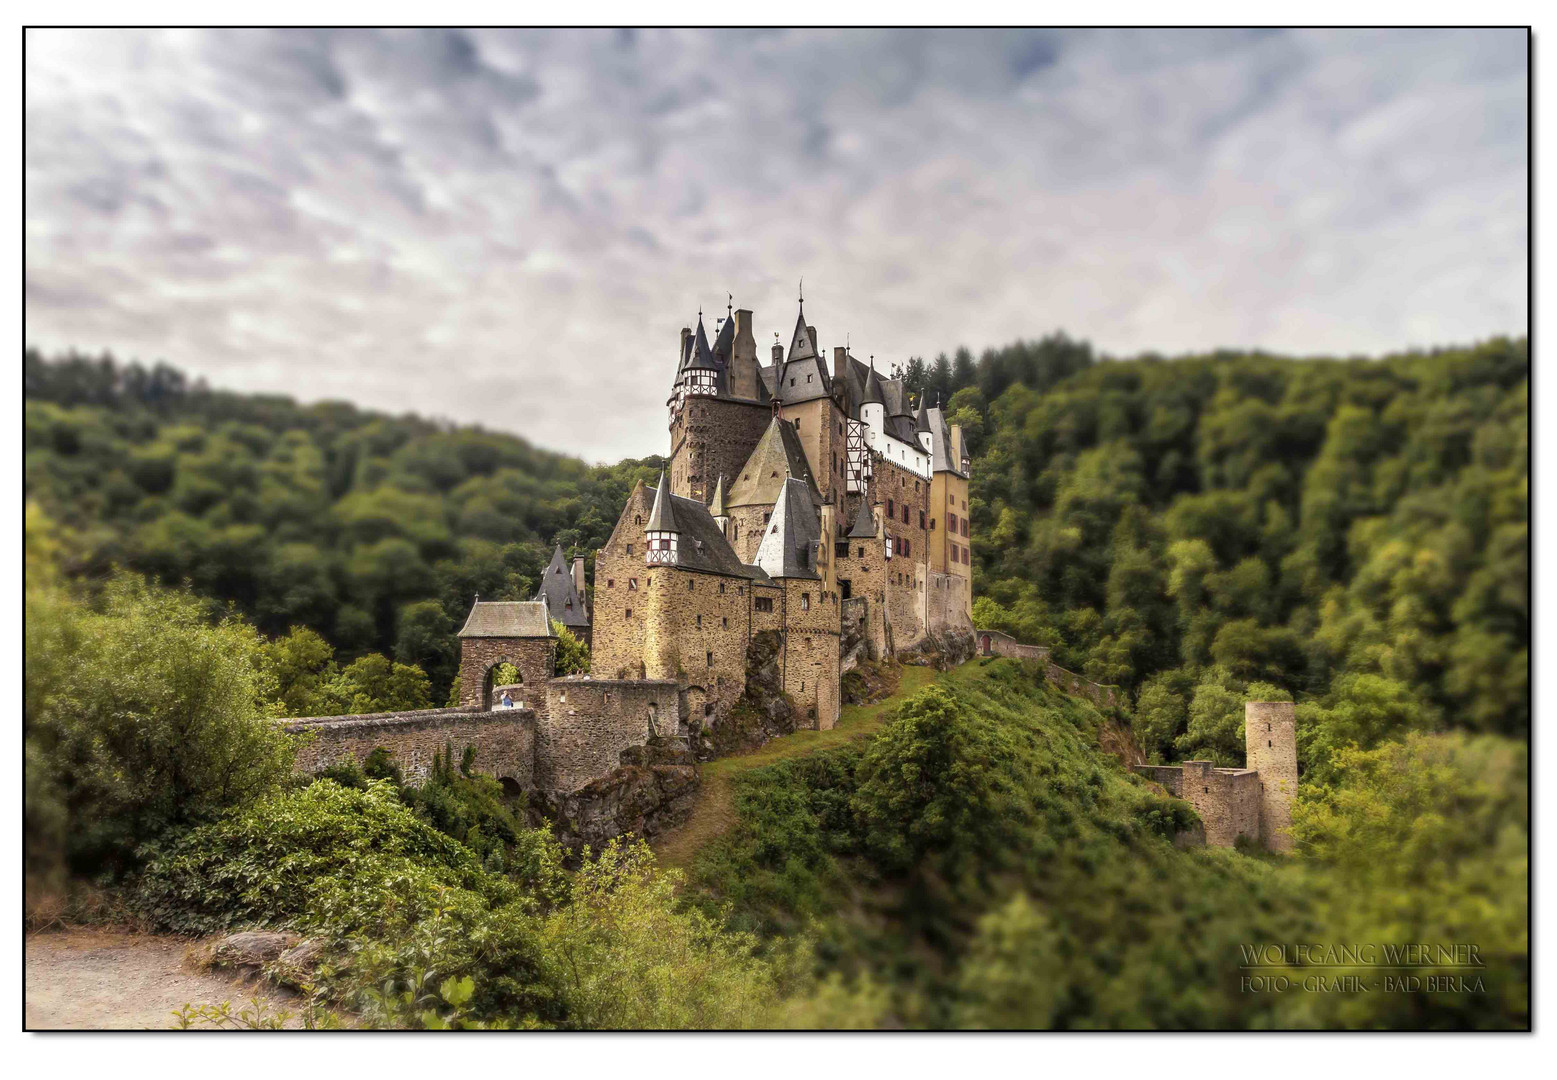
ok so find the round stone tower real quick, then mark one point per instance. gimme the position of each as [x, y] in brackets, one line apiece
[1270, 745]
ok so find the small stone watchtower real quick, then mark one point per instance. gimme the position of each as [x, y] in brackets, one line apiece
[1270, 746]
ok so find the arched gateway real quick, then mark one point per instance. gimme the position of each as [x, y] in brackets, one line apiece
[496, 632]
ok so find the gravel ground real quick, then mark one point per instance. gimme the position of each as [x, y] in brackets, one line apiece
[112, 979]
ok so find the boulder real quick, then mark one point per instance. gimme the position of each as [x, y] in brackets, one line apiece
[252, 948]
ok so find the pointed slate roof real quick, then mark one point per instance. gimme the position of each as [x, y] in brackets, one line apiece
[777, 456]
[874, 394]
[702, 544]
[940, 445]
[864, 523]
[702, 353]
[800, 345]
[663, 517]
[724, 341]
[921, 418]
[788, 544]
[716, 504]
[560, 594]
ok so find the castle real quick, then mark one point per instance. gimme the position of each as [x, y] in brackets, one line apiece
[820, 502]
[817, 511]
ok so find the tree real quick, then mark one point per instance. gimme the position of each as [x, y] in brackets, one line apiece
[572, 654]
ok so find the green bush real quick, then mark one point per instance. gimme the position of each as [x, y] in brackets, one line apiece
[143, 715]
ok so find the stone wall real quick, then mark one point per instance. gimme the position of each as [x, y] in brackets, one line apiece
[589, 722]
[745, 529]
[995, 643]
[897, 489]
[1270, 747]
[1227, 800]
[713, 437]
[819, 423]
[504, 740]
[864, 565]
[695, 631]
[810, 657]
[620, 574]
[536, 659]
[948, 602]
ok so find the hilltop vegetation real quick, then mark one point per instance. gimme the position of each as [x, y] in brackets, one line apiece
[374, 532]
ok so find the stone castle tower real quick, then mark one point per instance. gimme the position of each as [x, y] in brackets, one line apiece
[1270, 748]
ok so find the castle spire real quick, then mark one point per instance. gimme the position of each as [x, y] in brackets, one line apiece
[663, 517]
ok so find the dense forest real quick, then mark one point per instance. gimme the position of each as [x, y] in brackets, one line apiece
[373, 532]
[1352, 534]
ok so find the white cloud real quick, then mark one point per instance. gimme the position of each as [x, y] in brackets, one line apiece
[510, 227]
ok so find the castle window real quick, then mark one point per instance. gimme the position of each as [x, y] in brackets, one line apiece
[764, 603]
[767, 514]
[905, 514]
[932, 524]
[710, 659]
[802, 686]
[637, 520]
[891, 511]
[907, 550]
[632, 584]
[1268, 744]
[721, 588]
[740, 590]
[629, 549]
[805, 601]
[859, 553]
[921, 519]
[629, 613]
[1208, 791]
[700, 622]
[724, 624]
[964, 526]
[610, 583]
[691, 585]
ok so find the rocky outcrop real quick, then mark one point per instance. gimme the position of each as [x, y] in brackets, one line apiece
[651, 792]
[942, 650]
[251, 948]
[764, 712]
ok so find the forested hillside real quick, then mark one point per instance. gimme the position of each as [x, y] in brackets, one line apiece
[374, 531]
[1353, 533]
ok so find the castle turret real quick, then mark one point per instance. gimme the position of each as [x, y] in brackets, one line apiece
[1270, 748]
[873, 407]
[716, 507]
[922, 425]
[661, 532]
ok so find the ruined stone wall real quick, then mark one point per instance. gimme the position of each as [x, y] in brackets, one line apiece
[504, 740]
[712, 436]
[536, 659]
[1103, 696]
[620, 574]
[1270, 745]
[695, 632]
[810, 656]
[589, 722]
[996, 643]
[1227, 800]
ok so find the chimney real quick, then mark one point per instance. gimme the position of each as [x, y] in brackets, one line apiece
[840, 361]
[578, 575]
[811, 333]
[743, 358]
[686, 332]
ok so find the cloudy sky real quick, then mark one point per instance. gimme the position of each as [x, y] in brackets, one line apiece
[509, 228]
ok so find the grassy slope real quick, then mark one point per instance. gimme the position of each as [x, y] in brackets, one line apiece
[714, 813]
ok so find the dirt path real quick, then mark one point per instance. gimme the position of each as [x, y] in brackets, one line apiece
[714, 811]
[113, 979]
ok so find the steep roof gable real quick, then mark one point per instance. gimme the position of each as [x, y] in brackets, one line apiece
[788, 543]
[777, 456]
